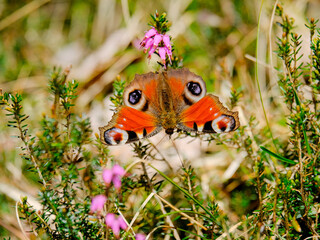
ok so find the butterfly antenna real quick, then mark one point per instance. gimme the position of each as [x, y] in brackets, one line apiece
[175, 147]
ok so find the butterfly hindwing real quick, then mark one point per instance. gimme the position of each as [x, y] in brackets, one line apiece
[128, 125]
[208, 115]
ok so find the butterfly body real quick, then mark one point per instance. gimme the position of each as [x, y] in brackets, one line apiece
[167, 100]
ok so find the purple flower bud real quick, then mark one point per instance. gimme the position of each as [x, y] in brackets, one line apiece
[122, 223]
[162, 53]
[118, 170]
[97, 203]
[150, 33]
[166, 41]
[140, 236]
[169, 53]
[157, 39]
[149, 43]
[115, 223]
[110, 218]
[107, 176]
[115, 228]
[151, 51]
[116, 182]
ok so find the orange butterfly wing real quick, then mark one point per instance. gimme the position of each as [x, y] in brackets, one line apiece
[128, 125]
[208, 115]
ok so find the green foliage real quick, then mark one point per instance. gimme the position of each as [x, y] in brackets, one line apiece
[291, 200]
[118, 88]
[58, 154]
[160, 22]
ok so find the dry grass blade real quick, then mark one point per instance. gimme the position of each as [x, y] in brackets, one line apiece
[138, 212]
[115, 43]
[231, 230]
[15, 194]
[107, 78]
[168, 219]
[19, 222]
[182, 213]
[22, 12]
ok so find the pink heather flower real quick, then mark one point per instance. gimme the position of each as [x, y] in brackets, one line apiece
[97, 203]
[154, 41]
[151, 51]
[162, 54]
[122, 223]
[115, 223]
[150, 33]
[118, 170]
[166, 41]
[107, 176]
[110, 218]
[113, 175]
[116, 182]
[169, 53]
[140, 236]
[149, 43]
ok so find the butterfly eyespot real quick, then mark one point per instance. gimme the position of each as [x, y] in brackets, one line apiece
[115, 136]
[134, 97]
[194, 88]
[224, 123]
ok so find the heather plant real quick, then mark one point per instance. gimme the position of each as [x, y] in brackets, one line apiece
[84, 192]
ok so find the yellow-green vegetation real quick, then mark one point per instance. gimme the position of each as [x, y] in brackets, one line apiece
[59, 62]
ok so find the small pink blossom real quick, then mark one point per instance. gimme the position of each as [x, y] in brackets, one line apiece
[113, 175]
[151, 51]
[150, 33]
[154, 41]
[149, 43]
[166, 41]
[162, 54]
[118, 170]
[169, 53]
[107, 175]
[116, 182]
[115, 223]
[140, 236]
[97, 203]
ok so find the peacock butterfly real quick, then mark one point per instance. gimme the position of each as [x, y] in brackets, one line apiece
[167, 100]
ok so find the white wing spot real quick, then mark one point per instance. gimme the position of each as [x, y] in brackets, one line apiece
[124, 119]
[215, 114]
[211, 109]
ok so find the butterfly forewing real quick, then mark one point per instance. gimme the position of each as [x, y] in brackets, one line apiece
[128, 125]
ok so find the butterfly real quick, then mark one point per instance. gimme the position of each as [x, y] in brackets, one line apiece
[173, 99]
